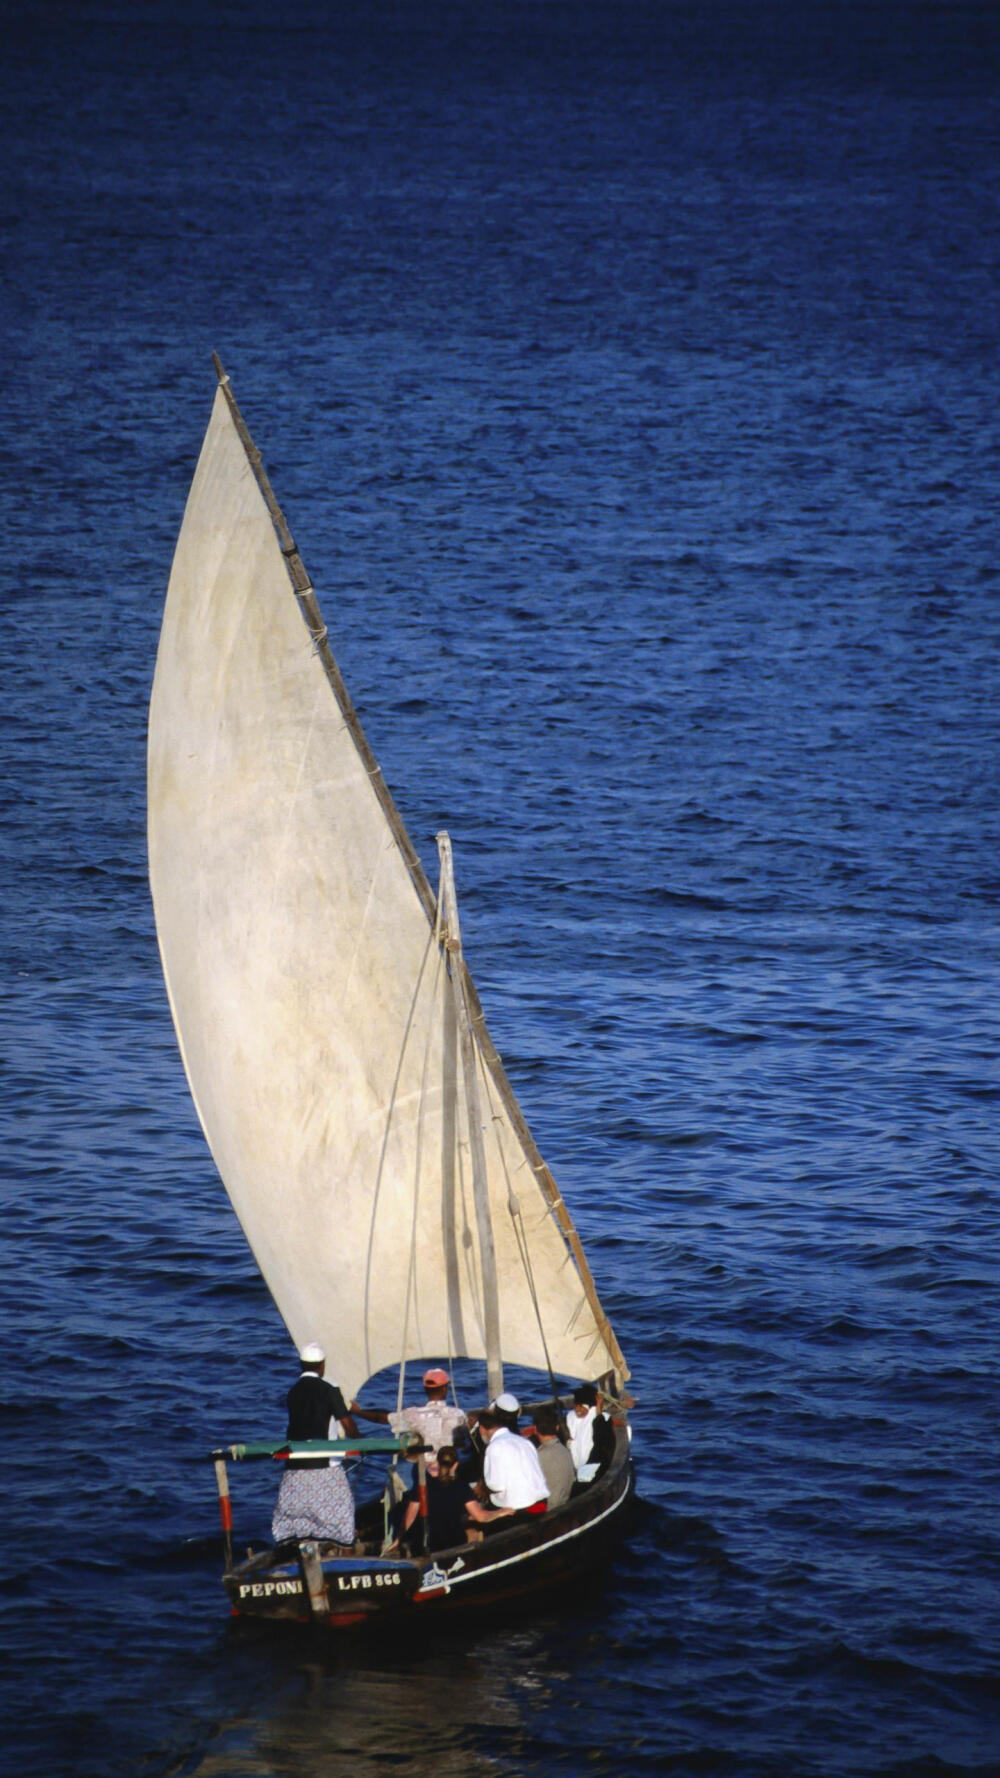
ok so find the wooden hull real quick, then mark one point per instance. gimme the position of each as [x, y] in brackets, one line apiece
[303, 1583]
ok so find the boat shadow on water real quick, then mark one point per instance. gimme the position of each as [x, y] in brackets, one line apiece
[451, 1696]
[463, 1700]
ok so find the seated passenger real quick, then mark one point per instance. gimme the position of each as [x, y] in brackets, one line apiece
[448, 1498]
[512, 1473]
[591, 1435]
[508, 1408]
[557, 1464]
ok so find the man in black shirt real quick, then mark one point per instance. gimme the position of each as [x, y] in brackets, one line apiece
[316, 1408]
[315, 1498]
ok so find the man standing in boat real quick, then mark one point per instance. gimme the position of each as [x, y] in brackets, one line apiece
[437, 1420]
[315, 1498]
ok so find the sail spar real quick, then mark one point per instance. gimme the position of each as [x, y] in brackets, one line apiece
[310, 990]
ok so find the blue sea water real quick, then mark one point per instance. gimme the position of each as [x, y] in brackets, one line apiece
[628, 375]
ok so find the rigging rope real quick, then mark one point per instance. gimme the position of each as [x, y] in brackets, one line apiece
[412, 1266]
[520, 1232]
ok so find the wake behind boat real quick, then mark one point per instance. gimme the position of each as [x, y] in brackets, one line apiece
[337, 1054]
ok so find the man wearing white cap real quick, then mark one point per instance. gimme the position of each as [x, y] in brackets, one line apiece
[437, 1420]
[511, 1470]
[315, 1498]
[509, 1409]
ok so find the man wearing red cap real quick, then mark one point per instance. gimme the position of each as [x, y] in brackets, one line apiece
[437, 1420]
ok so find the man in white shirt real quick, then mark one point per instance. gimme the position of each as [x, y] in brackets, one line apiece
[438, 1421]
[591, 1434]
[511, 1470]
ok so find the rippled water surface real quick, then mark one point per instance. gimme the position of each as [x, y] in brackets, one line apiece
[628, 375]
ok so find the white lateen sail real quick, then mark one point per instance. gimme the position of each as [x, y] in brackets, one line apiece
[311, 989]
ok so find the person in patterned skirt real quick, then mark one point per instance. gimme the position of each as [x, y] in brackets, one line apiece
[315, 1498]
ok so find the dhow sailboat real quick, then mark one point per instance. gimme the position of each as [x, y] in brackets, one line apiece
[353, 1101]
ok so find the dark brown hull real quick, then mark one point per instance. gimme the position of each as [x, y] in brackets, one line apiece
[319, 1584]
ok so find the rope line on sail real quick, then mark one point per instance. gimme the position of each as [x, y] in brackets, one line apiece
[449, 1321]
[411, 1273]
[520, 1235]
[388, 1126]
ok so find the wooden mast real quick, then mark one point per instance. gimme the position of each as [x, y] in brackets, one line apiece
[451, 937]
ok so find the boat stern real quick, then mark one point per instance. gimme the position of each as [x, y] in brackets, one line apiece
[308, 1582]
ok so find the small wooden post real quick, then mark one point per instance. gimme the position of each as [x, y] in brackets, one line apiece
[225, 1509]
[425, 1524]
[315, 1579]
